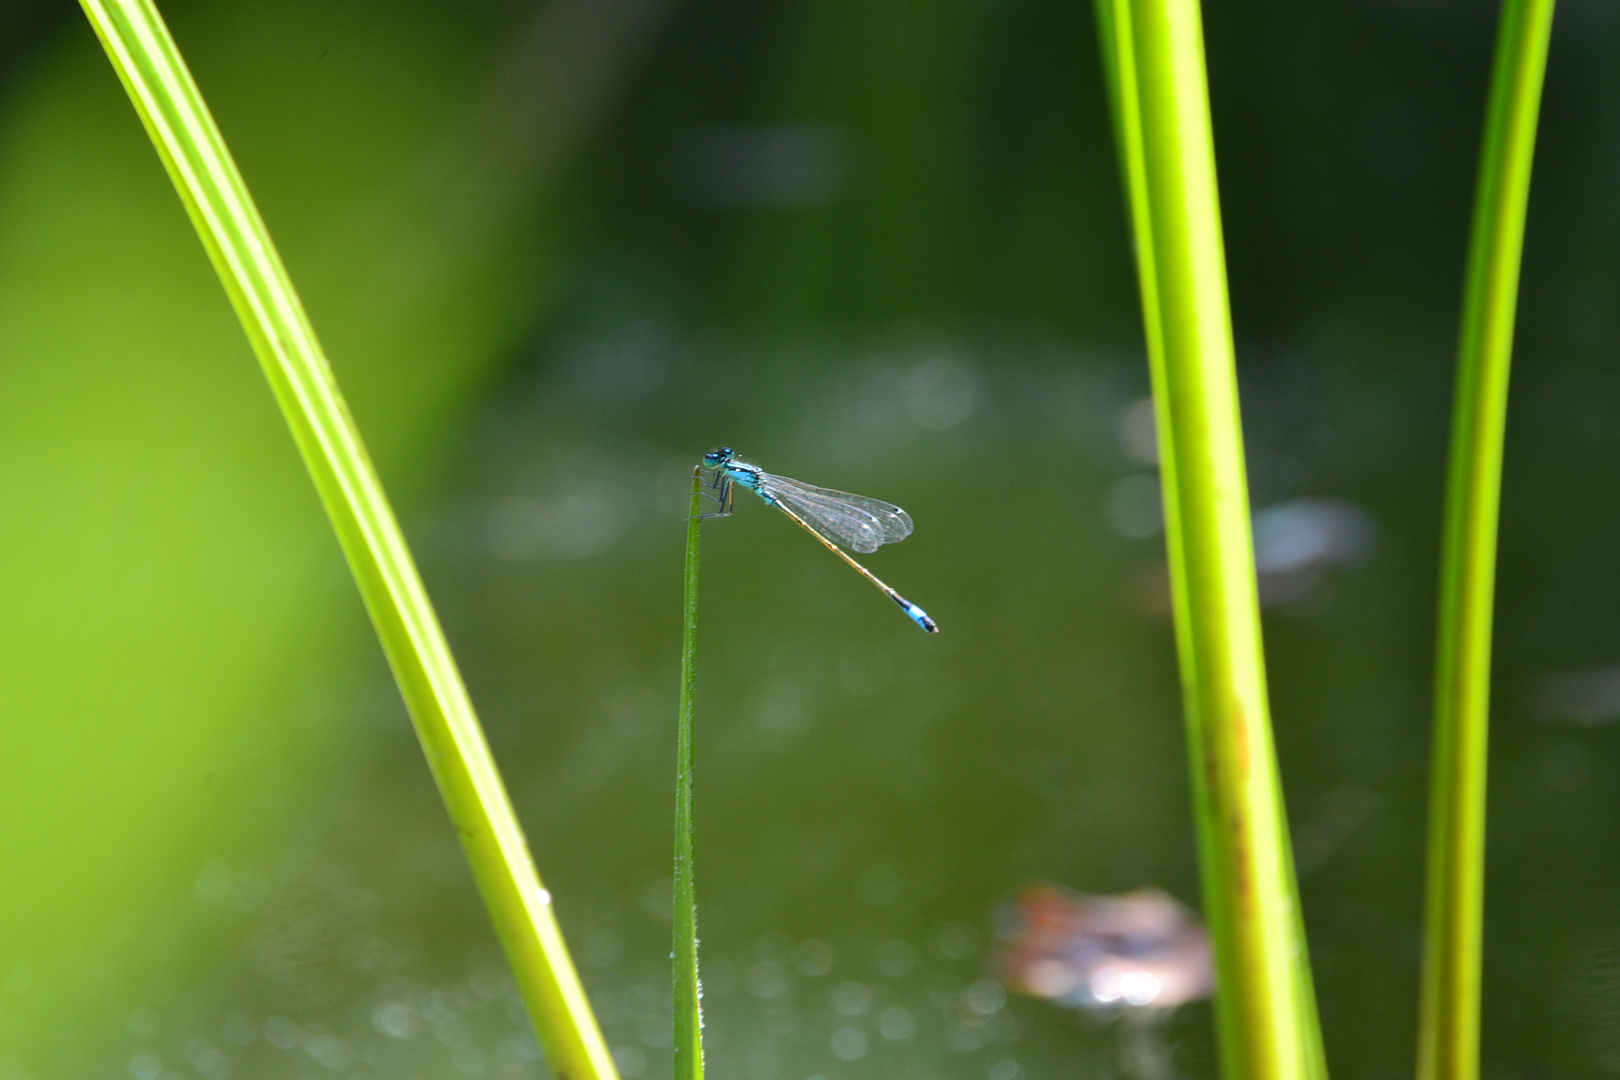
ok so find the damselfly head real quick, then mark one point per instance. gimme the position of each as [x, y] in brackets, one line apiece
[716, 458]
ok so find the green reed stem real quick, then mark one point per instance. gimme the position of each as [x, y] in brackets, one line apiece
[1454, 904]
[186, 138]
[1114, 32]
[1265, 1006]
[688, 989]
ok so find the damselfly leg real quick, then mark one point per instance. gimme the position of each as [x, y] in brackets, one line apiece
[723, 484]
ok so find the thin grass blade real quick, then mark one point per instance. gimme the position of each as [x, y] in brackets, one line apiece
[688, 988]
[1454, 903]
[171, 107]
[1265, 1003]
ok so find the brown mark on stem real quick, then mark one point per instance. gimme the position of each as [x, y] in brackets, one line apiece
[1240, 739]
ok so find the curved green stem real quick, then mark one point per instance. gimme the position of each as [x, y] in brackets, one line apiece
[186, 138]
[1448, 1032]
[1265, 1005]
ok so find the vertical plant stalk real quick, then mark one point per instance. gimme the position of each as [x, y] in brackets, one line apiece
[1454, 902]
[1265, 1006]
[688, 988]
[1118, 45]
[186, 138]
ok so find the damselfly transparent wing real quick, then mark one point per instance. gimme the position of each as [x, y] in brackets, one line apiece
[861, 523]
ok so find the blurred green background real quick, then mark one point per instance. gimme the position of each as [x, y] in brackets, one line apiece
[556, 252]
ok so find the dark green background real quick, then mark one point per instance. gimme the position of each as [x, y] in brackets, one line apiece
[223, 855]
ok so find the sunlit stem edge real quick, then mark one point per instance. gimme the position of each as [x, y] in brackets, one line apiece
[172, 110]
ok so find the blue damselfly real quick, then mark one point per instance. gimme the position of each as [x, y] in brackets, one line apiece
[830, 516]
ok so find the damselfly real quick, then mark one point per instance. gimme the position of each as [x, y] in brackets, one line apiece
[861, 523]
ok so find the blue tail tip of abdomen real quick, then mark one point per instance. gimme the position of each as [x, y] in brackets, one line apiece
[917, 614]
